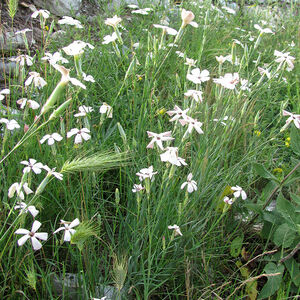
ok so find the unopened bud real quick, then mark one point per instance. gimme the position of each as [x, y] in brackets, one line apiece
[187, 17]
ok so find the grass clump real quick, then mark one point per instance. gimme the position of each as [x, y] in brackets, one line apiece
[171, 147]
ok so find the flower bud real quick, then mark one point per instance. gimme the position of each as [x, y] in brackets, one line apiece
[187, 17]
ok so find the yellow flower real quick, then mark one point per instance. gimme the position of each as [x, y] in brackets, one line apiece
[46, 28]
[257, 132]
[277, 170]
[287, 141]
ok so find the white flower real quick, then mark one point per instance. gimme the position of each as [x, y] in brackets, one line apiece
[17, 188]
[51, 138]
[83, 110]
[57, 175]
[10, 124]
[106, 109]
[264, 72]
[223, 120]
[291, 118]
[285, 57]
[33, 235]
[221, 59]
[25, 209]
[66, 76]
[89, 78]
[76, 48]
[190, 62]
[167, 29]
[228, 200]
[23, 31]
[187, 18]
[22, 59]
[191, 184]
[146, 173]
[179, 53]
[176, 229]
[37, 80]
[137, 188]
[36, 167]
[42, 12]
[192, 124]
[178, 112]
[68, 228]
[70, 21]
[114, 21]
[132, 6]
[81, 134]
[54, 58]
[110, 38]
[158, 138]
[4, 92]
[245, 85]
[198, 77]
[30, 103]
[197, 95]
[229, 10]
[265, 30]
[143, 11]
[239, 192]
[171, 156]
[229, 81]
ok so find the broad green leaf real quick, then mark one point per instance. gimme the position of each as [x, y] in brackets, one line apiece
[263, 172]
[273, 217]
[287, 210]
[295, 198]
[267, 191]
[273, 282]
[251, 289]
[284, 236]
[251, 286]
[236, 246]
[295, 140]
[294, 270]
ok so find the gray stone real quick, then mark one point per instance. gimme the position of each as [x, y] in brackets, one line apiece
[7, 68]
[71, 287]
[59, 7]
[11, 41]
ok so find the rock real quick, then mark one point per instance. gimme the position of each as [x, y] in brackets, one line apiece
[70, 285]
[11, 41]
[117, 3]
[59, 7]
[7, 68]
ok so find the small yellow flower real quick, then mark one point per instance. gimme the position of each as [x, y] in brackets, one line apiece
[287, 142]
[46, 28]
[139, 77]
[257, 132]
[277, 170]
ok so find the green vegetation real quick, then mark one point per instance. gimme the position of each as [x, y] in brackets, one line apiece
[196, 222]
